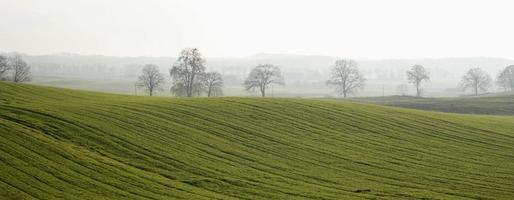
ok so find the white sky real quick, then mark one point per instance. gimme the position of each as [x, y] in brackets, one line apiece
[358, 29]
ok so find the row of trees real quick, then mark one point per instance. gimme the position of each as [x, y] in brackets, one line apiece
[478, 80]
[347, 79]
[189, 78]
[14, 68]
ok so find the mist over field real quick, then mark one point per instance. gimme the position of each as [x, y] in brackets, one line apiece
[305, 75]
[103, 45]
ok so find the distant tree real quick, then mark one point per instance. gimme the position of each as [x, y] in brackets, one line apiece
[151, 79]
[346, 77]
[476, 79]
[4, 67]
[505, 78]
[417, 75]
[213, 83]
[20, 69]
[262, 76]
[402, 89]
[186, 72]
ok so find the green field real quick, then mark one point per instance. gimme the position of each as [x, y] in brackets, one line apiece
[494, 104]
[66, 144]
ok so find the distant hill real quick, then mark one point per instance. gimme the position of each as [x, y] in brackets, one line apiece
[384, 69]
[66, 144]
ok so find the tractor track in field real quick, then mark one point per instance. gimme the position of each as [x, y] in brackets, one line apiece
[59, 143]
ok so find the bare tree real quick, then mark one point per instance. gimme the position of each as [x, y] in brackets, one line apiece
[151, 79]
[346, 77]
[185, 73]
[262, 76]
[4, 67]
[476, 79]
[417, 75]
[213, 83]
[20, 69]
[505, 78]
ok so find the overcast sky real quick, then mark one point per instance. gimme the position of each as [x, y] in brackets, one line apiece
[357, 29]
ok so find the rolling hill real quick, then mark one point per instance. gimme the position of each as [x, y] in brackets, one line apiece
[492, 104]
[66, 144]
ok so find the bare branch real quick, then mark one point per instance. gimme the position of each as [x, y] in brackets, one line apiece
[476, 79]
[4, 67]
[417, 75]
[186, 73]
[346, 77]
[263, 76]
[213, 83]
[505, 78]
[20, 69]
[151, 79]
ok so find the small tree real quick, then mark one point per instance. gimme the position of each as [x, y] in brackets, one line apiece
[477, 80]
[346, 77]
[417, 75]
[505, 78]
[262, 76]
[20, 69]
[4, 67]
[186, 72]
[213, 83]
[151, 79]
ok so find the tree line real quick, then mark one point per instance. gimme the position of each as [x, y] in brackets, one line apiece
[347, 79]
[189, 78]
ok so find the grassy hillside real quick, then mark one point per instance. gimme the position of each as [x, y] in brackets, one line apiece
[58, 143]
[502, 104]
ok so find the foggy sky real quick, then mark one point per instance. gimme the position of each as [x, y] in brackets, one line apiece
[357, 29]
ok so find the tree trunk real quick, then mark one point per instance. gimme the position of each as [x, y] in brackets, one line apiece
[417, 90]
[188, 88]
[191, 82]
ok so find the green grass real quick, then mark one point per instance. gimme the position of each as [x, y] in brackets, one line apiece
[502, 104]
[60, 143]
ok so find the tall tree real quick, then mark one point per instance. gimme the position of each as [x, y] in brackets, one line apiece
[213, 83]
[417, 75]
[20, 69]
[346, 77]
[185, 73]
[263, 76]
[505, 78]
[151, 79]
[476, 79]
[4, 67]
